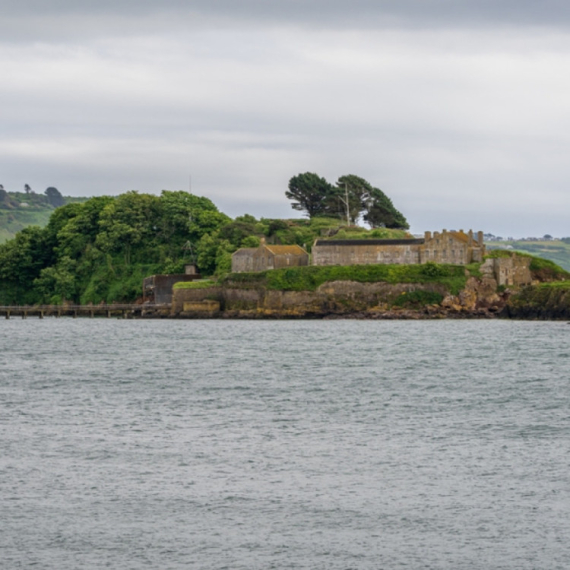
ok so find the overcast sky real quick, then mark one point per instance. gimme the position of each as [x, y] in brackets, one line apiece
[458, 109]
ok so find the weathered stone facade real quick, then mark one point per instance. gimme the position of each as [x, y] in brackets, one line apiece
[366, 252]
[267, 257]
[158, 288]
[336, 297]
[512, 271]
[458, 248]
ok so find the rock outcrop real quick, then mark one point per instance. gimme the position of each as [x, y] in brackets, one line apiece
[341, 299]
[501, 289]
[541, 302]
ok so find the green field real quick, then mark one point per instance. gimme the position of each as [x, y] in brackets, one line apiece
[554, 250]
[16, 219]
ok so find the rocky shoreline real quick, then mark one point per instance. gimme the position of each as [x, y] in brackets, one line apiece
[480, 299]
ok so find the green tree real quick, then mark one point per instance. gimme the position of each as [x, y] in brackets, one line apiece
[206, 251]
[58, 283]
[79, 230]
[183, 216]
[224, 258]
[54, 197]
[380, 212]
[205, 222]
[235, 232]
[127, 222]
[355, 189]
[21, 260]
[311, 194]
[4, 198]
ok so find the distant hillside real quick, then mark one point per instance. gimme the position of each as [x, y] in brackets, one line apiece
[554, 250]
[19, 210]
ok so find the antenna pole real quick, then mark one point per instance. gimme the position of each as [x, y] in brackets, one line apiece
[345, 200]
[347, 208]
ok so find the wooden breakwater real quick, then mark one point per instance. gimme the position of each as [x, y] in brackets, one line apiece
[125, 311]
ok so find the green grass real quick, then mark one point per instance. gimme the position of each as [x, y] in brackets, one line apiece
[562, 285]
[202, 284]
[15, 220]
[361, 233]
[542, 269]
[556, 250]
[474, 269]
[311, 277]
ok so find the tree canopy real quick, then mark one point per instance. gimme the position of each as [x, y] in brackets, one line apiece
[311, 194]
[101, 248]
[54, 197]
[350, 198]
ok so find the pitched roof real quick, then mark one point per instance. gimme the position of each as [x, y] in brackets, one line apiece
[286, 249]
[460, 236]
[245, 251]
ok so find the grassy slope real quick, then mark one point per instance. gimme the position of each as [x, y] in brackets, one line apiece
[308, 278]
[554, 250]
[14, 220]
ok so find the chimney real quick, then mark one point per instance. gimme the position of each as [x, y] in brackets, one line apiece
[427, 236]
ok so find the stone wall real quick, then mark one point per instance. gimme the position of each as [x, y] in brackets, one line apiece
[457, 248]
[243, 260]
[513, 271]
[365, 252]
[158, 288]
[194, 296]
[265, 257]
[336, 297]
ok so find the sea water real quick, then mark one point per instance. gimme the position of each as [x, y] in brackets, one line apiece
[284, 444]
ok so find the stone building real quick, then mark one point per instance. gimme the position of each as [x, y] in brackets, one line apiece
[458, 248]
[509, 271]
[158, 288]
[268, 257]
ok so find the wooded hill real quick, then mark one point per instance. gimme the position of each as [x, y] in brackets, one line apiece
[100, 249]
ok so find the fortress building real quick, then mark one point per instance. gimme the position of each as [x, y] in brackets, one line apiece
[457, 248]
[268, 257]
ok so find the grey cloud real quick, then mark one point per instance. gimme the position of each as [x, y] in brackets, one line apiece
[461, 127]
[109, 16]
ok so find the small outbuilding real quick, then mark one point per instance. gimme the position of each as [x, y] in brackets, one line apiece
[266, 257]
[158, 288]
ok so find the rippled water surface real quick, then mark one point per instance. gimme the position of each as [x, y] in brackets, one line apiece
[300, 444]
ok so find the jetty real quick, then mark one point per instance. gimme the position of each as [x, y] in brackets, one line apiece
[125, 311]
